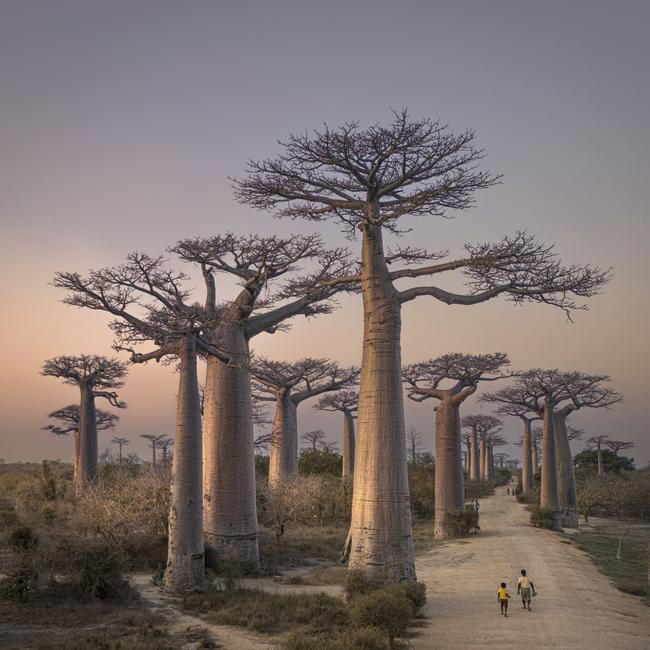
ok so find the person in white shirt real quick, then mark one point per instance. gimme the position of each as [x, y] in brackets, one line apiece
[524, 587]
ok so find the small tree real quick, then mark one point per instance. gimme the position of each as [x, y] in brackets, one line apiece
[153, 441]
[165, 444]
[290, 384]
[481, 427]
[618, 445]
[121, 442]
[94, 376]
[346, 402]
[314, 438]
[599, 441]
[413, 443]
[68, 418]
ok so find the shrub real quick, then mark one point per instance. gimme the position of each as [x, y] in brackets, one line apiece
[385, 609]
[18, 584]
[462, 524]
[477, 489]
[361, 583]
[416, 592]
[543, 517]
[502, 476]
[320, 461]
[422, 488]
[361, 638]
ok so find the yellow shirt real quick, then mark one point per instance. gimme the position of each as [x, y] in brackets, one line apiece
[503, 594]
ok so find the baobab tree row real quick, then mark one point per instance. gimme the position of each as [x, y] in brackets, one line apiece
[369, 181]
[552, 395]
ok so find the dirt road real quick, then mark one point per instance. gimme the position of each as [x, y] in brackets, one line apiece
[576, 607]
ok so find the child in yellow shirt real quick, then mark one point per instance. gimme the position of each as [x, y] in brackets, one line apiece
[502, 598]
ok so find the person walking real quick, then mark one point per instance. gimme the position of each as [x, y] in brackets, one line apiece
[502, 599]
[525, 587]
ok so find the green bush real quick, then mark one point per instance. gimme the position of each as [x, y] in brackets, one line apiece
[462, 524]
[361, 583]
[422, 488]
[502, 476]
[543, 517]
[416, 592]
[386, 609]
[320, 461]
[18, 584]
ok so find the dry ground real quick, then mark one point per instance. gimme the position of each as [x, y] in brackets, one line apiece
[576, 607]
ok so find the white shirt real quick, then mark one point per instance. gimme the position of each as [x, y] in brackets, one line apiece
[524, 582]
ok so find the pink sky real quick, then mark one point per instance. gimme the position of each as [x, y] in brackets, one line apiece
[120, 122]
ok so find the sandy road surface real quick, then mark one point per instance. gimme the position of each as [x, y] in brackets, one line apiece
[576, 606]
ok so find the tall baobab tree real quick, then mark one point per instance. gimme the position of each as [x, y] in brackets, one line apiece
[68, 419]
[599, 441]
[581, 391]
[346, 402]
[95, 376]
[313, 437]
[492, 440]
[450, 379]
[535, 443]
[165, 444]
[153, 441]
[149, 303]
[618, 445]
[289, 384]
[273, 290]
[121, 443]
[467, 439]
[481, 426]
[510, 402]
[370, 180]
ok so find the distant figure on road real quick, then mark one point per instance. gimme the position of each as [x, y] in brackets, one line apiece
[508, 491]
[524, 587]
[502, 598]
[476, 505]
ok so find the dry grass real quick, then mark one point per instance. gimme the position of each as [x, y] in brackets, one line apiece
[630, 573]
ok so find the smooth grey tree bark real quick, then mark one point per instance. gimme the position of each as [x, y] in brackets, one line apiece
[567, 494]
[475, 472]
[92, 374]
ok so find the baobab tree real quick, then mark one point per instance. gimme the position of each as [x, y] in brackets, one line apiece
[165, 444]
[289, 384]
[510, 402]
[94, 376]
[273, 290]
[599, 441]
[153, 441]
[68, 418]
[370, 180]
[582, 391]
[618, 445]
[413, 443]
[501, 458]
[467, 439]
[480, 426]
[450, 379]
[492, 440]
[346, 402]
[535, 443]
[149, 303]
[313, 437]
[120, 442]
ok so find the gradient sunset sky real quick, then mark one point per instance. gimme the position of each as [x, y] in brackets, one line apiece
[120, 122]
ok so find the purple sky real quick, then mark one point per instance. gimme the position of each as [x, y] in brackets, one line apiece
[120, 122]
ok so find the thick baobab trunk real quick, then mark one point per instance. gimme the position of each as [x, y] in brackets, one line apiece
[229, 507]
[449, 486]
[601, 469]
[75, 466]
[87, 457]
[489, 463]
[185, 554]
[284, 448]
[566, 480]
[482, 468]
[474, 470]
[533, 456]
[348, 445]
[468, 453]
[527, 482]
[380, 539]
[548, 492]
